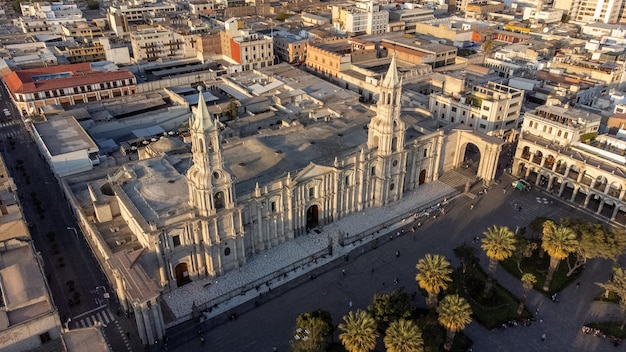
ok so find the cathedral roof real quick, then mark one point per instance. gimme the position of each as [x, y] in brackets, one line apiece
[202, 119]
[392, 78]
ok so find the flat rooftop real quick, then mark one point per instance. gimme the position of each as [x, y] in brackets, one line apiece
[64, 135]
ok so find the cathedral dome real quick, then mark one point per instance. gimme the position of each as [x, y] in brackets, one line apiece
[167, 144]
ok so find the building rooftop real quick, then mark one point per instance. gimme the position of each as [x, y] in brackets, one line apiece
[59, 77]
[64, 135]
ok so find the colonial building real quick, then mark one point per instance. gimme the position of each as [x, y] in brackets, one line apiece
[65, 85]
[492, 108]
[201, 216]
[559, 150]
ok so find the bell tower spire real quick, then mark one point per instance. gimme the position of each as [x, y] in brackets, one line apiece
[386, 130]
[210, 184]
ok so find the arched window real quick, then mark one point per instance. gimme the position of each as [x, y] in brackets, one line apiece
[218, 199]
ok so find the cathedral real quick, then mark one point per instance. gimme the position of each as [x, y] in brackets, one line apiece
[201, 216]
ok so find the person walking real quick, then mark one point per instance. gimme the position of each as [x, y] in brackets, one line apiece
[543, 337]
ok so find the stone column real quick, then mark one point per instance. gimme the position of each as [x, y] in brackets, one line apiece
[141, 326]
[158, 324]
[121, 290]
[601, 206]
[615, 212]
[159, 252]
[562, 188]
[576, 188]
[147, 325]
[587, 198]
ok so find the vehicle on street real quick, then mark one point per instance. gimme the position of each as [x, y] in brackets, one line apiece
[522, 185]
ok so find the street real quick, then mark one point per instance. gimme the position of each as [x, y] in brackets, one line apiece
[73, 273]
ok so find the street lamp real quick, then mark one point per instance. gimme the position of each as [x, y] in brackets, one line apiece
[75, 232]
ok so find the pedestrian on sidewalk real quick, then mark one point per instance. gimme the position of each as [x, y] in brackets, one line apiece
[543, 337]
[343, 272]
[397, 253]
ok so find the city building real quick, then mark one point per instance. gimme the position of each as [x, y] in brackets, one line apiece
[362, 17]
[66, 85]
[560, 151]
[289, 47]
[331, 57]
[493, 108]
[249, 49]
[480, 9]
[48, 17]
[28, 318]
[433, 54]
[65, 146]
[122, 18]
[160, 43]
[179, 219]
[583, 12]
[409, 17]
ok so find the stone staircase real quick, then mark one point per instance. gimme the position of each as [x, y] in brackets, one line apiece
[458, 178]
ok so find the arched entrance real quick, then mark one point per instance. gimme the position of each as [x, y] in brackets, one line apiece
[471, 158]
[312, 217]
[422, 177]
[182, 274]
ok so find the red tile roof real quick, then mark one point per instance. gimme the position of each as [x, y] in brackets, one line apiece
[80, 75]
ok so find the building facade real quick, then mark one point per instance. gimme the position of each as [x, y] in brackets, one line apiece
[364, 17]
[559, 150]
[65, 85]
[493, 108]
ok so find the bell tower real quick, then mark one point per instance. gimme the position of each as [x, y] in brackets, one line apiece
[210, 184]
[386, 130]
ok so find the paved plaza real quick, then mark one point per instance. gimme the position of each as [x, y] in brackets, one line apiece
[238, 325]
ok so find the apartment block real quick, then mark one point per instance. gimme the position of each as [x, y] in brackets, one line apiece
[363, 17]
[492, 108]
[154, 43]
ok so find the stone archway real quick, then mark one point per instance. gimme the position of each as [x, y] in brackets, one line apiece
[182, 274]
[471, 157]
[478, 151]
[312, 217]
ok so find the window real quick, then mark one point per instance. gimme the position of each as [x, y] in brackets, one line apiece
[273, 207]
[425, 152]
[483, 126]
[559, 133]
[347, 180]
[219, 200]
[227, 251]
[176, 240]
[395, 163]
[312, 192]
[45, 337]
[373, 171]
[392, 186]
[545, 128]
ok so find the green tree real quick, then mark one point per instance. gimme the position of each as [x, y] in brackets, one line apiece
[389, 307]
[559, 242]
[454, 313]
[617, 285]
[467, 255]
[528, 281]
[498, 244]
[93, 4]
[524, 248]
[594, 241]
[359, 332]
[433, 275]
[487, 48]
[281, 17]
[311, 331]
[403, 336]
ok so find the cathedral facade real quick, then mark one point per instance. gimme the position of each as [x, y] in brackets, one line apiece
[190, 222]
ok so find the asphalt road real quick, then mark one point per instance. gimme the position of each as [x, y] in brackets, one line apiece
[67, 256]
[271, 324]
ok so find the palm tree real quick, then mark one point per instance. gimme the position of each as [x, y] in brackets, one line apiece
[403, 336]
[433, 276]
[454, 314]
[359, 331]
[498, 244]
[558, 242]
[528, 281]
